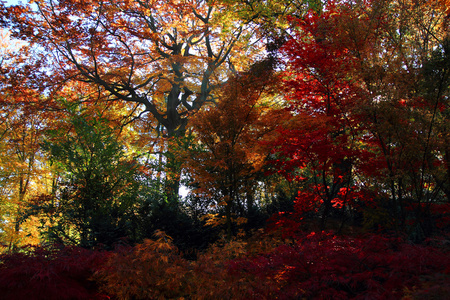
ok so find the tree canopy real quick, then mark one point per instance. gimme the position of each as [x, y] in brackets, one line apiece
[307, 135]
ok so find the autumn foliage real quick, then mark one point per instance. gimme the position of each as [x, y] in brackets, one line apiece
[311, 142]
[323, 266]
[313, 265]
[54, 273]
[362, 135]
[232, 141]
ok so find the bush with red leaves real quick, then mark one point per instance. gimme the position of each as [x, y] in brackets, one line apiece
[50, 274]
[326, 266]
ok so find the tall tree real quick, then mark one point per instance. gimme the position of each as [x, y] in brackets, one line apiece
[164, 57]
[231, 151]
[318, 146]
[368, 84]
[407, 80]
[22, 167]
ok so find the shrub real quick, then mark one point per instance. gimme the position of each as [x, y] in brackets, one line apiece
[151, 270]
[40, 273]
[323, 265]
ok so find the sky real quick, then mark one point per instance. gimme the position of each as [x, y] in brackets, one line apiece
[13, 2]
[4, 37]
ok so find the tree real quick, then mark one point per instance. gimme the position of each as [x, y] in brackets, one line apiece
[23, 171]
[22, 167]
[164, 57]
[97, 194]
[318, 145]
[369, 100]
[407, 113]
[231, 152]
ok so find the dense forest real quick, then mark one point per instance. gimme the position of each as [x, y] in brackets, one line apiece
[225, 149]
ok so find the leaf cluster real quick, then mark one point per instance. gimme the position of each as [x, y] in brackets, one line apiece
[40, 273]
